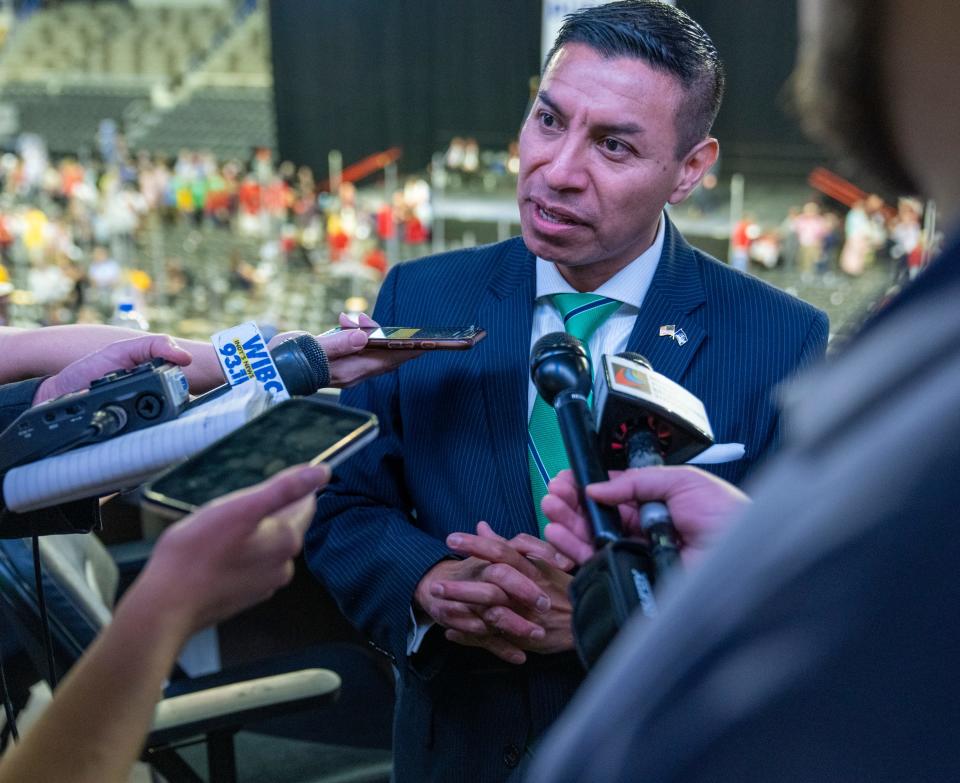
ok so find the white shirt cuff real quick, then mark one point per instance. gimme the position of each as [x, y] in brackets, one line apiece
[417, 632]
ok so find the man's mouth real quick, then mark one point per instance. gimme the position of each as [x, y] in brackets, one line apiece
[555, 217]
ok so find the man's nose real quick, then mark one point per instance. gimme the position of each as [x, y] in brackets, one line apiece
[566, 168]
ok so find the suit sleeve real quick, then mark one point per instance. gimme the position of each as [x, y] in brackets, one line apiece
[364, 544]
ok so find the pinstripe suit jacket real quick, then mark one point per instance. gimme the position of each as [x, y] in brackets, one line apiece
[452, 451]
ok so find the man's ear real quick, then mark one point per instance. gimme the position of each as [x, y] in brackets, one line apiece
[696, 163]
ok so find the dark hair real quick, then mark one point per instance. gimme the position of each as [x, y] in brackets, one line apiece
[668, 40]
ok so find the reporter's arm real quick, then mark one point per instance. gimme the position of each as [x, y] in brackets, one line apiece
[31, 353]
[225, 557]
[120, 355]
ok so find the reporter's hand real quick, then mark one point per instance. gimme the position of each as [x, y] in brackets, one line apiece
[120, 355]
[701, 505]
[233, 552]
[337, 346]
[351, 369]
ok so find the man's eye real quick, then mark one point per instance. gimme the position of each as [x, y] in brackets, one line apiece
[547, 120]
[612, 145]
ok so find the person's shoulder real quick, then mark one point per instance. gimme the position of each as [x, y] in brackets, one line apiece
[723, 281]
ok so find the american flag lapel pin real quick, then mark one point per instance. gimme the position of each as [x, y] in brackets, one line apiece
[671, 331]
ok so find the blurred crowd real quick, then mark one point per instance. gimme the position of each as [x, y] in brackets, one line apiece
[74, 234]
[465, 165]
[77, 236]
[817, 240]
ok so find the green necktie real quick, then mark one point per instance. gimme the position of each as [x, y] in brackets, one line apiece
[546, 455]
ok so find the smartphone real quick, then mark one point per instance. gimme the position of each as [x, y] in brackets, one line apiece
[424, 338]
[301, 429]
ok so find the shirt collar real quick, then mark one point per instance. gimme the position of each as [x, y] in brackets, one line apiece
[629, 285]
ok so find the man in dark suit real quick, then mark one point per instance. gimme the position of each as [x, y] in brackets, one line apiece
[818, 641]
[619, 128]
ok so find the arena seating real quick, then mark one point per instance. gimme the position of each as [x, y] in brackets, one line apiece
[169, 77]
[229, 121]
[110, 38]
[68, 117]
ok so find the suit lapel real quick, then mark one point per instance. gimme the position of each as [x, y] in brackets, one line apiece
[675, 298]
[506, 311]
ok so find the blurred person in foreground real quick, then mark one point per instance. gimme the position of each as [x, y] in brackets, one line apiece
[479, 632]
[212, 564]
[228, 555]
[818, 640]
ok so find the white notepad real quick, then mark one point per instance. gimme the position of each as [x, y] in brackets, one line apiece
[128, 460]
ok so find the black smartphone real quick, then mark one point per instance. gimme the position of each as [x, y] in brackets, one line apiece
[301, 429]
[421, 337]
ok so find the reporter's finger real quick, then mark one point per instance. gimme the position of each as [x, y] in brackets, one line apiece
[362, 319]
[493, 644]
[296, 517]
[564, 485]
[653, 483]
[344, 343]
[137, 350]
[574, 547]
[244, 509]
[559, 512]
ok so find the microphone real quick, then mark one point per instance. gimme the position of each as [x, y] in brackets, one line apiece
[647, 419]
[619, 577]
[301, 362]
[560, 369]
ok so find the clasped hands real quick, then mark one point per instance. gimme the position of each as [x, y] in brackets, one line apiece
[508, 597]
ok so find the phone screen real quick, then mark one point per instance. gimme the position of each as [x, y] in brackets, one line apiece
[299, 430]
[418, 333]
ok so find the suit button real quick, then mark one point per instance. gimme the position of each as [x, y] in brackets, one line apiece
[511, 756]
